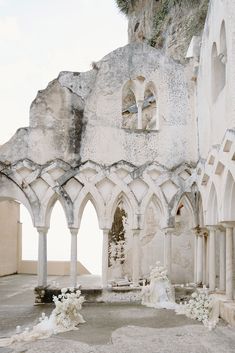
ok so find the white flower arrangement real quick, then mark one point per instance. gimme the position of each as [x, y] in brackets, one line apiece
[159, 293]
[67, 307]
[159, 272]
[117, 253]
[64, 317]
[200, 307]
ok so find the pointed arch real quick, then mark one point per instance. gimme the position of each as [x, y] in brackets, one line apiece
[185, 200]
[200, 211]
[152, 197]
[129, 106]
[150, 107]
[89, 193]
[48, 203]
[212, 207]
[228, 204]
[218, 73]
[129, 205]
[223, 43]
[9, 190]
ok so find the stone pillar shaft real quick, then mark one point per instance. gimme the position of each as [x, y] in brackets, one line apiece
[136, 260]
[222, 262]
[73, 257]
[105, 258]
[207, 260]
[167, 253]
[204, 259]
[139, 123]
[195, 257]
[229, 263]
[212, 274]
[42, 256]
[199, 259]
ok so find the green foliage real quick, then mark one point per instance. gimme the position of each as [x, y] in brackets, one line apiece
[117, 231]
[124, 5]
[117, 236]
[162, 18]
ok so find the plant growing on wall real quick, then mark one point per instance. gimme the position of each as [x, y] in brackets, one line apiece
[117, 238]
[125, 5]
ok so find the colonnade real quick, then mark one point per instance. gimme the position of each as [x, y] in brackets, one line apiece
[205, 257]
[42, 257]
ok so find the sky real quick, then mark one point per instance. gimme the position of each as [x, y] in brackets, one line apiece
[38, 39]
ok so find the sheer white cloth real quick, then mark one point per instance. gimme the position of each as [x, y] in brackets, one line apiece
[158, 294]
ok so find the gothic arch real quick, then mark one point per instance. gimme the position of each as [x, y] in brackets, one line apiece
[150, 107]
[129, 106]
[218, 73]
[152, 197]
[212, 207]
[223, 43]
[185, 202]
[89, 193]
[129, 205]
[9, 190]
[228, 205]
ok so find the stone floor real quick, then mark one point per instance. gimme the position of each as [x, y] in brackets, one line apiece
[110, 328]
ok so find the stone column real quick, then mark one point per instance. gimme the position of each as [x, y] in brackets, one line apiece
[139, 106]
[168, 251]
[212, 274]
[195, 257]
[207, 260]
[42, 256]
[73, 257]
[199, 258]
[229, 259]
[105, 258]
[136, 258]
[204, 258]
[222, 262]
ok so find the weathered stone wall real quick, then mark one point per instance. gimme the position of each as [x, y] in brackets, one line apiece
[9, 228]
[166, 24]
[216, 113]
[78, 117]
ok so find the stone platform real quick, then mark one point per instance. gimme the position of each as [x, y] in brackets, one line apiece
[227, 308]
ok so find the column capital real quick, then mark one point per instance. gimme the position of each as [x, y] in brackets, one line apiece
[200, 231]
[168, 230]
[228, 224]
[140, 102]
[43, 230]
[74, 231]
[212, 227]
[136, 232]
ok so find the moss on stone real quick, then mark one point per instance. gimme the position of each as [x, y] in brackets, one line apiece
[125, 5]
[191, 24]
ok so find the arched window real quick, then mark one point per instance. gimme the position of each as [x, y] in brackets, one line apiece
[129, 107]
[118, 244]
[150, 109]
[223, 44]
[218, 73]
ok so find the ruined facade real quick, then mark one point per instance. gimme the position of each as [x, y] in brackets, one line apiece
[144, 133]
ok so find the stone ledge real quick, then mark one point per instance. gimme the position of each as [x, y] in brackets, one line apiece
[226, 309]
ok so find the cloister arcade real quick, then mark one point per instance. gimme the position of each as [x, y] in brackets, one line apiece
[138, 190]
[143, 143]
[185, 208]
[216, 182]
